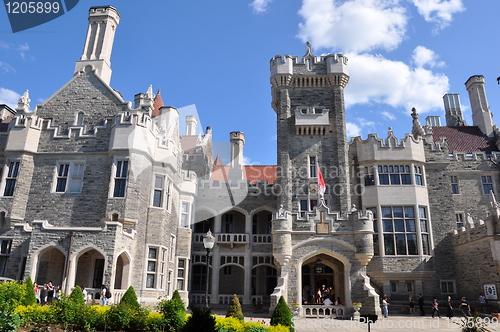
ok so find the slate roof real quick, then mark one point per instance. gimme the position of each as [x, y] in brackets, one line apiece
[157, 104]
[466, 139]
[251, 173]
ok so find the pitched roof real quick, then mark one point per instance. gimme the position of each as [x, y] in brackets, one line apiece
[466, 139]
[157, 104]
[251, 173]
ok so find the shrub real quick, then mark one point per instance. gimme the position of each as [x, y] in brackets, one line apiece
[234, 309]
[95, 317]
[229, 324]
[76, 296]
[282, 315]
[155, 322]
[255, 327]
[279, 328]
[130, 299]
[30, 296]
[12, 294]
[35, 314]
[9, 322]
[174, 314]
[176, 296]
[201, 320]
[69, 310]
[124, 317]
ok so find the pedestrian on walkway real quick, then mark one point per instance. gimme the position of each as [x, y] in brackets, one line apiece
[421, 304]
[449, 308]
[385, 307]
[435, 308]
[464, 305]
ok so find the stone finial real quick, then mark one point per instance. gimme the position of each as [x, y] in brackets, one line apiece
[23, 104]
[354, 208]
[417, 129]
[308, 49]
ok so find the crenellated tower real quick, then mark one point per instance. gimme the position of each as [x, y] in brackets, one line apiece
[308, 98]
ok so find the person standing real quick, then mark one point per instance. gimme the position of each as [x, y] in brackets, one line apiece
[483, 303]
[385, 307]
[37, 292]
[464, 305]
[50, 292]
[449, 308]
[104, 299]
[43, 294]
[412, 305]
[84, 294]
[421, 304]
[435, 308]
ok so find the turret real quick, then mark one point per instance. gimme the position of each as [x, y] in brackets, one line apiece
[481, 115]
[191, 123]
[99, 41]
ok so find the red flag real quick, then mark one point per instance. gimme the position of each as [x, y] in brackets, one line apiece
[321, 183]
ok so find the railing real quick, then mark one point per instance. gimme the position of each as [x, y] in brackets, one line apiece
[198, 299]
[226, 298]
[323, 311]
[262, 238]
[232, 237]
[257, 299]
[95, 294]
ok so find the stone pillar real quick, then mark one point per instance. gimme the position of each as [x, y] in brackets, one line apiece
[214, 294]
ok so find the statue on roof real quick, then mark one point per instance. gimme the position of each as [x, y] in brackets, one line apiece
[23, 104]
[417, 129]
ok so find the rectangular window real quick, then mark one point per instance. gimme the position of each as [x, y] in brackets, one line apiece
[151, 268]
[158, 191]
[185, 214]
[454, 185]
[394, 174]
[312, 167]
[10, 179]
[418, 176]
[5, 248]
[168, 194]
[120, 178]
[459, 219]
[69, 177]
[399, 230]
[156, 267]
[424, 230]
[172, 248]
[369, 177]
[487, 184]
[409, 287]
[394, 287]
[303, 208]
[447, 287]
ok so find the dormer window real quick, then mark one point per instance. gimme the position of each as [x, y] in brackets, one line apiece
[80, 117]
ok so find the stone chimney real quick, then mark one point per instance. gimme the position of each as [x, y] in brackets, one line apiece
[481, 115]
[453, 111]
[103, 21]
[237, 139]
[191, 123]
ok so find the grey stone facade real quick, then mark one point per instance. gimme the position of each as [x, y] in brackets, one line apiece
[95, 191]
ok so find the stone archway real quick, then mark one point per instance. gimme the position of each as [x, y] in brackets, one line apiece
[122, 272]
[51, 263]
[324, 274]
[90, 269]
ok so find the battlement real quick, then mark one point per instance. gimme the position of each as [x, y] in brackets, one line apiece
[473, 231]
[328, 70]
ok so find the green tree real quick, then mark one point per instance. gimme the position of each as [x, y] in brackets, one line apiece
[234, 309]
[76, 296]
[200, 321]
[12, 294]
[130, 299]
[282, 315]
[174, 314]
[30, 297]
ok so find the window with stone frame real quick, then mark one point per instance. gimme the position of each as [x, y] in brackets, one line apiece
[181, 273]
[369, 176]
[424, 230]
[158, 191]
[11, 178]
[185, 214]
[376, 248]
[69, 177]
[5, 248]
[459, 219]
[454, 185]
[419, 179]
[394, 174]
[399, 230]
[168, 194]
[487, 183]
[448, 287]
[120, 178]
[173, 242]
[307, 205]
[155, 267]
[313, 171]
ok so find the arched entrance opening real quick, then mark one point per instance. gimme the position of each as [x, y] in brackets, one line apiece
[231, 281]
[323, 276]
[199, 282]
[122, 272]
[90, 269]
[51, 262]
[233, 222]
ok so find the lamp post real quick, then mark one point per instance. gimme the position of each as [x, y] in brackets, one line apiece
[208, 243]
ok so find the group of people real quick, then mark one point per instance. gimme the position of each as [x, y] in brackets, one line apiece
[323, 295]
[46, 293]
[464, 306]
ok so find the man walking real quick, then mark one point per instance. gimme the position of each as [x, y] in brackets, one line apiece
[421, 304]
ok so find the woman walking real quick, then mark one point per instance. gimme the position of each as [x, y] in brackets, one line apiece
[449, 308]
[435, 308]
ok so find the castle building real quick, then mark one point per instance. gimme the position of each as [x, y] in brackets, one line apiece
[96, 191]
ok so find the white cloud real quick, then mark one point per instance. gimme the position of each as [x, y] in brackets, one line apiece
[423, 56]
[5, 67]
[9, 97]
[375, 79]
[260, 6]
[353, 25]
[439, 11]
[353, 129]
[388, 115]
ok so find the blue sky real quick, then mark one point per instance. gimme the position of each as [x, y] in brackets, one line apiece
[213, 56]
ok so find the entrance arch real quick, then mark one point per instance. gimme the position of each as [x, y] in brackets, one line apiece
[51, 262]
[90, 269]
[122, 271]
[324, 274]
